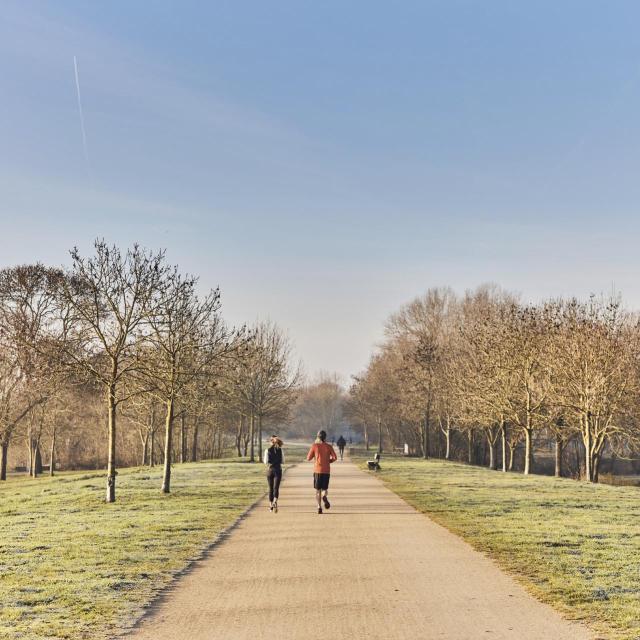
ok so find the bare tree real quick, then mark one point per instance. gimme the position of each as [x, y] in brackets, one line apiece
[420, 330]
[145, 412]
[189, 338]
[106, 301]
[28, 363]
[357, 409]
[266, 379]
[595, 354]
[319, 405]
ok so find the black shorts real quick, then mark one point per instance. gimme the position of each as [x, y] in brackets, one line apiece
[321, 480]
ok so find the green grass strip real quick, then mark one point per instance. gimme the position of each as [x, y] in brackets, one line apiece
[573, 545]
[74, 567]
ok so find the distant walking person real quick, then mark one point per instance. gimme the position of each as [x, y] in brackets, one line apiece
[274, 459]
[323, 455]
[342, 443]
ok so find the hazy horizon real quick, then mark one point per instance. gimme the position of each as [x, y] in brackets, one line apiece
[324, 164]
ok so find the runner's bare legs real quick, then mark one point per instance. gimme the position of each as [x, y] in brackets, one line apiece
[320, 495]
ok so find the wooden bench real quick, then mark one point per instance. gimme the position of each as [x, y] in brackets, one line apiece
[374, 465]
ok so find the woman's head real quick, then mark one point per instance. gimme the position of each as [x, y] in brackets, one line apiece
[322, 435]
[276, 441]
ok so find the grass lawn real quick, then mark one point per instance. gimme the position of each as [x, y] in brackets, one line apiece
[573, 545]
[72, 566]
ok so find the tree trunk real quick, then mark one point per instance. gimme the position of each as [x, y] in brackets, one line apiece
[36, 469]
[379, 435]
[245, 441]
[38, 466]
[166, 472]
[425, 446]
[447, 437]
[470, 446]
[194, 442]
[111, 459]
[4, 451]
[183, 438]
[252, 426]
[259, 436]
[145, 446]
[503, 442]
[493, 458]
[587, 451]
[595, 467]
[152, 448]
[52, 454]
[559, 447]
[512, 451]
[528, 433]
[239, 436]
[528, 451]
[366, 436]
[30, 449]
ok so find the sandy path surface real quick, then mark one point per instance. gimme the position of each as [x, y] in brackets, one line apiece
[371, 567]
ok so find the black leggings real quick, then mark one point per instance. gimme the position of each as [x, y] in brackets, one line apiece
[274, 475]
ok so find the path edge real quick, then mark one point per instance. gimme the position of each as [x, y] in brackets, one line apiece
[149, 608]
[518, 578]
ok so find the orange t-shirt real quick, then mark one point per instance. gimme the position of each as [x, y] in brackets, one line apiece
[324, 455]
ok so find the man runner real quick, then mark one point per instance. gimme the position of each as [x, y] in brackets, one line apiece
[324, 455]
[342, 443]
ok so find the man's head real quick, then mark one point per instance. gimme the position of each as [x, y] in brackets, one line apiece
[322, 435]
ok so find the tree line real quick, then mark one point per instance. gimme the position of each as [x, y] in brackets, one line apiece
[124, 338]
[486, 377]
[320, 404]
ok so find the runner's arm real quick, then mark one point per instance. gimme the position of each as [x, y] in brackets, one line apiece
[265, 457]
[332, 456]
[312, 453]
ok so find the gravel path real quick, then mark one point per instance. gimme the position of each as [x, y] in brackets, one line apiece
[371, 567]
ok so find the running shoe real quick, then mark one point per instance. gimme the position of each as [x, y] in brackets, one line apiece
[327, 504]
[319, 509]
[275, 506]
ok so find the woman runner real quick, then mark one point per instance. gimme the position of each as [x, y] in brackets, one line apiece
[274, 459]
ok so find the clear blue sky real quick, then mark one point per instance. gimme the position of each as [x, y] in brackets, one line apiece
[324, 162]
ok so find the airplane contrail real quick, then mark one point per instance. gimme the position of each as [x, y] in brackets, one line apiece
[84, 133]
